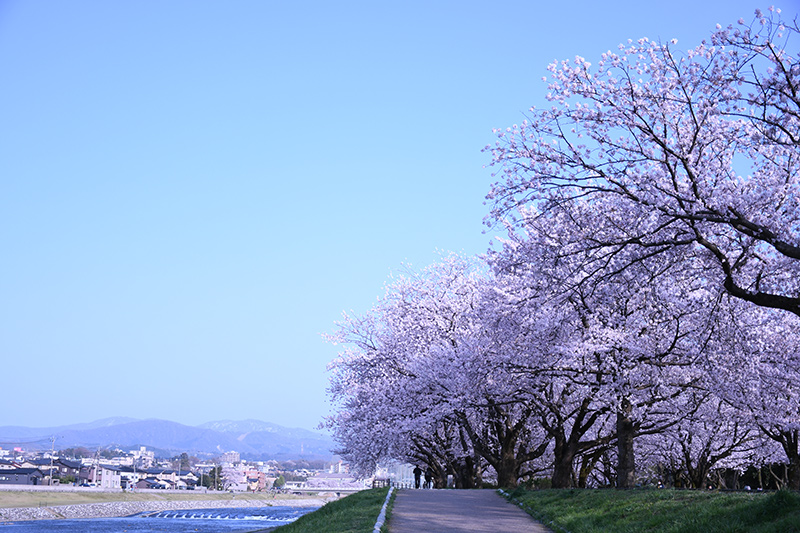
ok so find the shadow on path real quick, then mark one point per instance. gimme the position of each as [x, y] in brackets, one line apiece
[455, 511]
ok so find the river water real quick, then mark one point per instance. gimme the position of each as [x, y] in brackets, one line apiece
[195, 520]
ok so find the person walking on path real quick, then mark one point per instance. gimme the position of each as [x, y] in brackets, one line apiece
[429, 478]
[458, 511]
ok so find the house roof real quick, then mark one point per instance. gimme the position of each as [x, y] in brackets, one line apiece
[69, 464]
[164, 471]
[91, 468]
[22, 471]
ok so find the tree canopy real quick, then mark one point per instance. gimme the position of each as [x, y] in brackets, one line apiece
[690, 156]
[640, 320]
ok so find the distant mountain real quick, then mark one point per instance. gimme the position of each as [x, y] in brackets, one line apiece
[103, 422]
[241, 426]
[34, 434]
[253, 439]
[260, 435]
[245, 427]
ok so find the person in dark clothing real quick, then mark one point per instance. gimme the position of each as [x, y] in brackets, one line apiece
[429, 478]
[417, 475]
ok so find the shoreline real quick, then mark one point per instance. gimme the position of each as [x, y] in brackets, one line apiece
[119, 509]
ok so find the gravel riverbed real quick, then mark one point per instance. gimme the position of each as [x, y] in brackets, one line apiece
[112, 509]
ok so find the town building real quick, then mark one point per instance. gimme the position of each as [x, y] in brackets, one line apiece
[6, 464]
[104, 476]
[230, 458]
[21, 476]
[142, 458]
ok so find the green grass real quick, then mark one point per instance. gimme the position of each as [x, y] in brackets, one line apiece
[389, 507]
[662, 511]
[48, 498]
[356, 513]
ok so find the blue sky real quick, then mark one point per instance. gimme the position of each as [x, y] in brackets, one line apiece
[191, 192]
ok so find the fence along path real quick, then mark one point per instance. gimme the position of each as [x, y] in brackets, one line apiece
[457, 511]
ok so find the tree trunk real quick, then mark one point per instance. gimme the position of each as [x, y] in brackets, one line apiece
[478, 469]
[562, 467]
[465, 468]
[794, 474]
[626, 460]
[508, 469]
[790, 442]
[608, 470]
[465, 473]
[699, 474]
[791, 445]
[588, 463]
[439, 475]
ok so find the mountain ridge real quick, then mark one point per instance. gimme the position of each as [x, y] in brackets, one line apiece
[253, 439]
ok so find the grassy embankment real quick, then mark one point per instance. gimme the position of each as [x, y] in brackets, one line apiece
[662, 511]
[356, 513]
[49, 499]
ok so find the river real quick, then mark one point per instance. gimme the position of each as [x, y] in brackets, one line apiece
[194, 520]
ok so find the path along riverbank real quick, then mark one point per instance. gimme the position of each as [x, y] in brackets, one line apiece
[114, 509]
[458, 511]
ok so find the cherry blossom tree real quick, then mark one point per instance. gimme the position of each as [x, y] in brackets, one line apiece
[692, 157]
[386, 406]
[500, 419]
[715, 435]
[459, 368]
[445, 451]
[416, 365]
[618, 356]
[756, 369]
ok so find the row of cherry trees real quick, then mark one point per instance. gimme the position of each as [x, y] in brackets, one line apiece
[464, 368]
[642, 315]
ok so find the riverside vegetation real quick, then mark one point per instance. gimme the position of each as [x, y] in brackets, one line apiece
[598, 511]
[45, 499]
[564, 511]
[356, 513]
[662, 511]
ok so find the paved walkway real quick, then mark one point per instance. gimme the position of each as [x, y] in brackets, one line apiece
[456, 511]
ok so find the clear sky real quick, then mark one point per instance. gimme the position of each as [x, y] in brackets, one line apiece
[191, 192]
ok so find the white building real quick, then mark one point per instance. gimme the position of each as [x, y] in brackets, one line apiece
[107, 477]
[230, 458]
[143, 458]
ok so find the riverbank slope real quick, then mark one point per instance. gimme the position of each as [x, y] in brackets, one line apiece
[49, 507]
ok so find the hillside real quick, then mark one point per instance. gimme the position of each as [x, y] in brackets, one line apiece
[253, 439]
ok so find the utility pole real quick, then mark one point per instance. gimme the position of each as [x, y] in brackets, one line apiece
[96, 460]
[52, 453]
